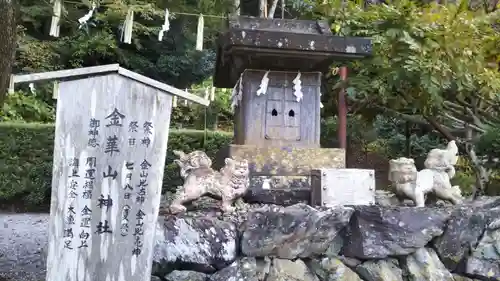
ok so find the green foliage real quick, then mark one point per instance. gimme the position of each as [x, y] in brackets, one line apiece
[392, 139]
[360, 133]
[25, 164]
[218, 114]
[422, 55]
[489, 146]
[26, 161]
[173, 60]
[21, 107]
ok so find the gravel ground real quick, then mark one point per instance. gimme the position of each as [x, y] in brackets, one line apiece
[22, 239]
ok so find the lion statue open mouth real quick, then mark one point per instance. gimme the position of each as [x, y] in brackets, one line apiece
[435, 178]
[227, 185]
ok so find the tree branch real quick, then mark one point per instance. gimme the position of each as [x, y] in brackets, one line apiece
[441, 129]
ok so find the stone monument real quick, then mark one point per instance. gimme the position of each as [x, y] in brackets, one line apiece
[274, 67]
[111, 136]
[435, 178]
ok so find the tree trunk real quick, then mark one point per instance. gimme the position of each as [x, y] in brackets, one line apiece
[8, 40]
[482, 175]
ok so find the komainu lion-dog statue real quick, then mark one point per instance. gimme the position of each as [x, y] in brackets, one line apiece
[435, 178]
[227, 185]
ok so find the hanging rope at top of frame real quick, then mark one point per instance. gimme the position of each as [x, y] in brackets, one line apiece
[128, 23]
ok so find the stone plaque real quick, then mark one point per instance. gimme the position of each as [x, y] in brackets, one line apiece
[334, 187]
[110, 145]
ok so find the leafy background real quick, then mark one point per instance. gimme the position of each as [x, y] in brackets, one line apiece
[433, 74]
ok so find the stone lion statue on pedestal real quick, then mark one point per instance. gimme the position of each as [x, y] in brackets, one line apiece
[435, 178]
[227, 185]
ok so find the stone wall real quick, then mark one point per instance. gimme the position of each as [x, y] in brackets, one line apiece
[301, 243]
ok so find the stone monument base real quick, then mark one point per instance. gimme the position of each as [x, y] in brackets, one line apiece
[286, 170]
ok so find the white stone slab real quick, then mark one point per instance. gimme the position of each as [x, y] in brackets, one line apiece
[337, 187]
[110, 145]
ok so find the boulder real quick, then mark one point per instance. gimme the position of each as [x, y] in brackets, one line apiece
[377, 232]
[464, 229]
[484, 261]
[330, 268]
[463, 278]
[244, 269]
[424, 265]
[295, 231]
[201, 244]
[380, 270]
[178, 275]
[287, 270]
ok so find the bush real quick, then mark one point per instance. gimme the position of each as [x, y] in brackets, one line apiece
[26, 161]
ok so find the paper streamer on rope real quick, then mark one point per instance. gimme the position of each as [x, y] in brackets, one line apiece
[266, 184]
[165, 27]
[263, 84]
[174, 101]
[186, 101]
[55, 91]
[237, 94]
[199, 33]
[297, 87]
[11, 85]
[56, 18]
[234, 98]
[128, 27]
[207, 94]
[240, 88]
[83, 20]
[32, 88]
[212, 93]
[320, 103]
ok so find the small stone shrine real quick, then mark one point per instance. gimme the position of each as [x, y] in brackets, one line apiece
[274, 67]
[110, 145]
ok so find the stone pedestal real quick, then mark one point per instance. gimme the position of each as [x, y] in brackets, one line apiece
[287, 170]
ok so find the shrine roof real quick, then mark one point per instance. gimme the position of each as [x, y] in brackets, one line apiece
[281, 45]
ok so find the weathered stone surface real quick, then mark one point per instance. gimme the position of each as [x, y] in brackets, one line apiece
[178, 275]
[155, 278]
[484, 261]
[380, 270]
[295, 231]
[245, 269]
[386, 198]
[463, 278]
[330, 268]
[23, 238]
[350, 262]
[201, 244]
[424, 265]
[379, 232]
[286, 161]
[465, 227]
[283, 197]
[287, 270]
